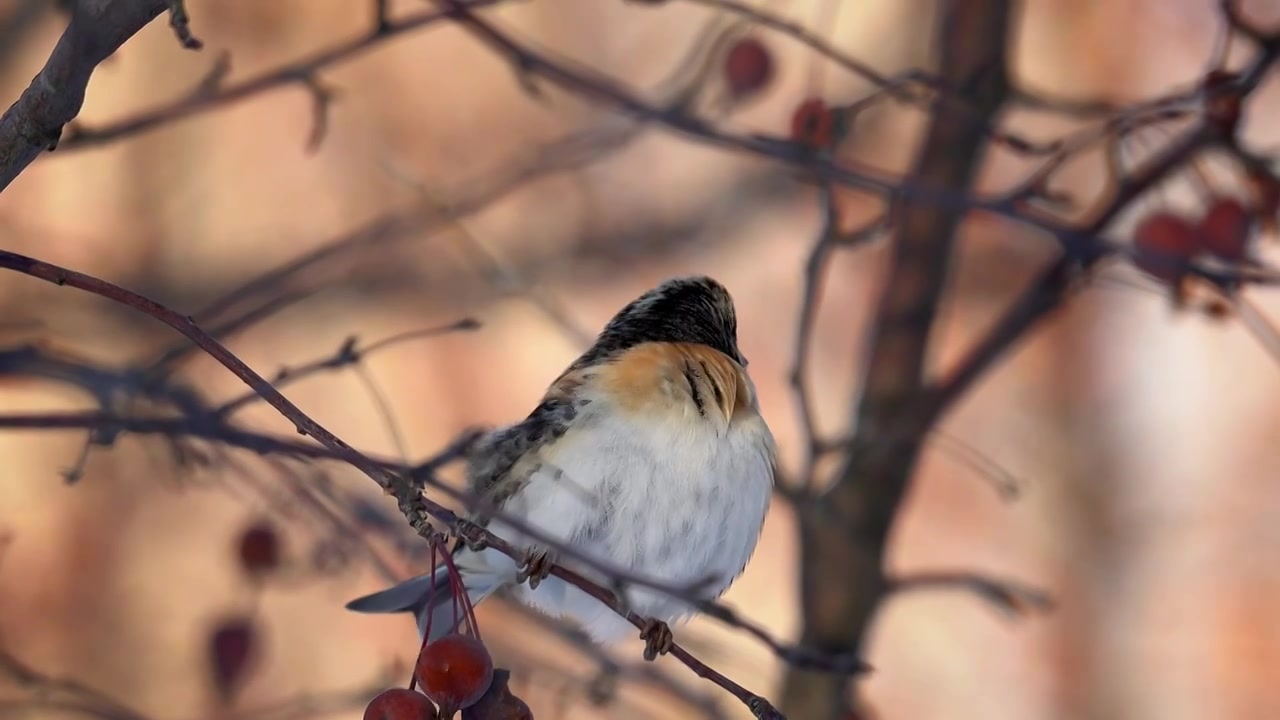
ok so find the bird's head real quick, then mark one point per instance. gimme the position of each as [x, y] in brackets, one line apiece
[687, 310]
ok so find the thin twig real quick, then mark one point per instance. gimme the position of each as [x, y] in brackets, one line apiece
[304, 72]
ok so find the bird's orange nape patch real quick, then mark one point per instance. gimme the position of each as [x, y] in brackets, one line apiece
[655, 375]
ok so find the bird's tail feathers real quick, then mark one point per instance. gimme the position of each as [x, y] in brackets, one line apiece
[430, 597]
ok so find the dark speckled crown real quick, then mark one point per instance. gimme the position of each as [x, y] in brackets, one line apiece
[688, 310]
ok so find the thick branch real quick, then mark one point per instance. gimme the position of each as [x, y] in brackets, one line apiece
[34, 123]
[844, 533]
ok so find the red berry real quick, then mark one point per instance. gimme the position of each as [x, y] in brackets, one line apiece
[498, 703]
[748, 67]
[1164, 243]
[400, 704]
[232, 646]
[260, 548]
[454, 671]
[1225, 229]
[812, 123]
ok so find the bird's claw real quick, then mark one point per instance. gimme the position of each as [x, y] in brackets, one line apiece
[535, 568]
[657, 637]
[472, 536]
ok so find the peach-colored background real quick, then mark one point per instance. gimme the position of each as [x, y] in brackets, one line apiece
[1145, 440]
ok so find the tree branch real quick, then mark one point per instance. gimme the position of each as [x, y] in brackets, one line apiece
[97, 29]
[209, 94]
[844, 532]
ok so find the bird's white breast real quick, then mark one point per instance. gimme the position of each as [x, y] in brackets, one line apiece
[680, 501]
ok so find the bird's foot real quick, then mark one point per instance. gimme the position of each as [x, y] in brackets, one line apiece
[472, 535]
[657, 637]
[536, 567]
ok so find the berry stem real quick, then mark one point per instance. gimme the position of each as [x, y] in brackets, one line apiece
[426, 632]
[460, 593]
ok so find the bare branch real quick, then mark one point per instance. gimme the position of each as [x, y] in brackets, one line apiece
[97, 29]
[1009, 596]
[348, 354]
[209, 94]
[845, 529]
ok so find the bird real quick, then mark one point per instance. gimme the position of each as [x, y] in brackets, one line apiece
[648, 453]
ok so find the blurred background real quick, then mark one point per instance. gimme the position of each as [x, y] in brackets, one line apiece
[1143, 442]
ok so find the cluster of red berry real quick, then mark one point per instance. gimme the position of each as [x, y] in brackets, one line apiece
[748, 68]
[1165, 243]
[453, 673]
[234, 643]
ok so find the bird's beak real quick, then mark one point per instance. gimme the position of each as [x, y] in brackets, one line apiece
[742, 360]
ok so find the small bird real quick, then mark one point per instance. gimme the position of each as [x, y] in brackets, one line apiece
[648, 453]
